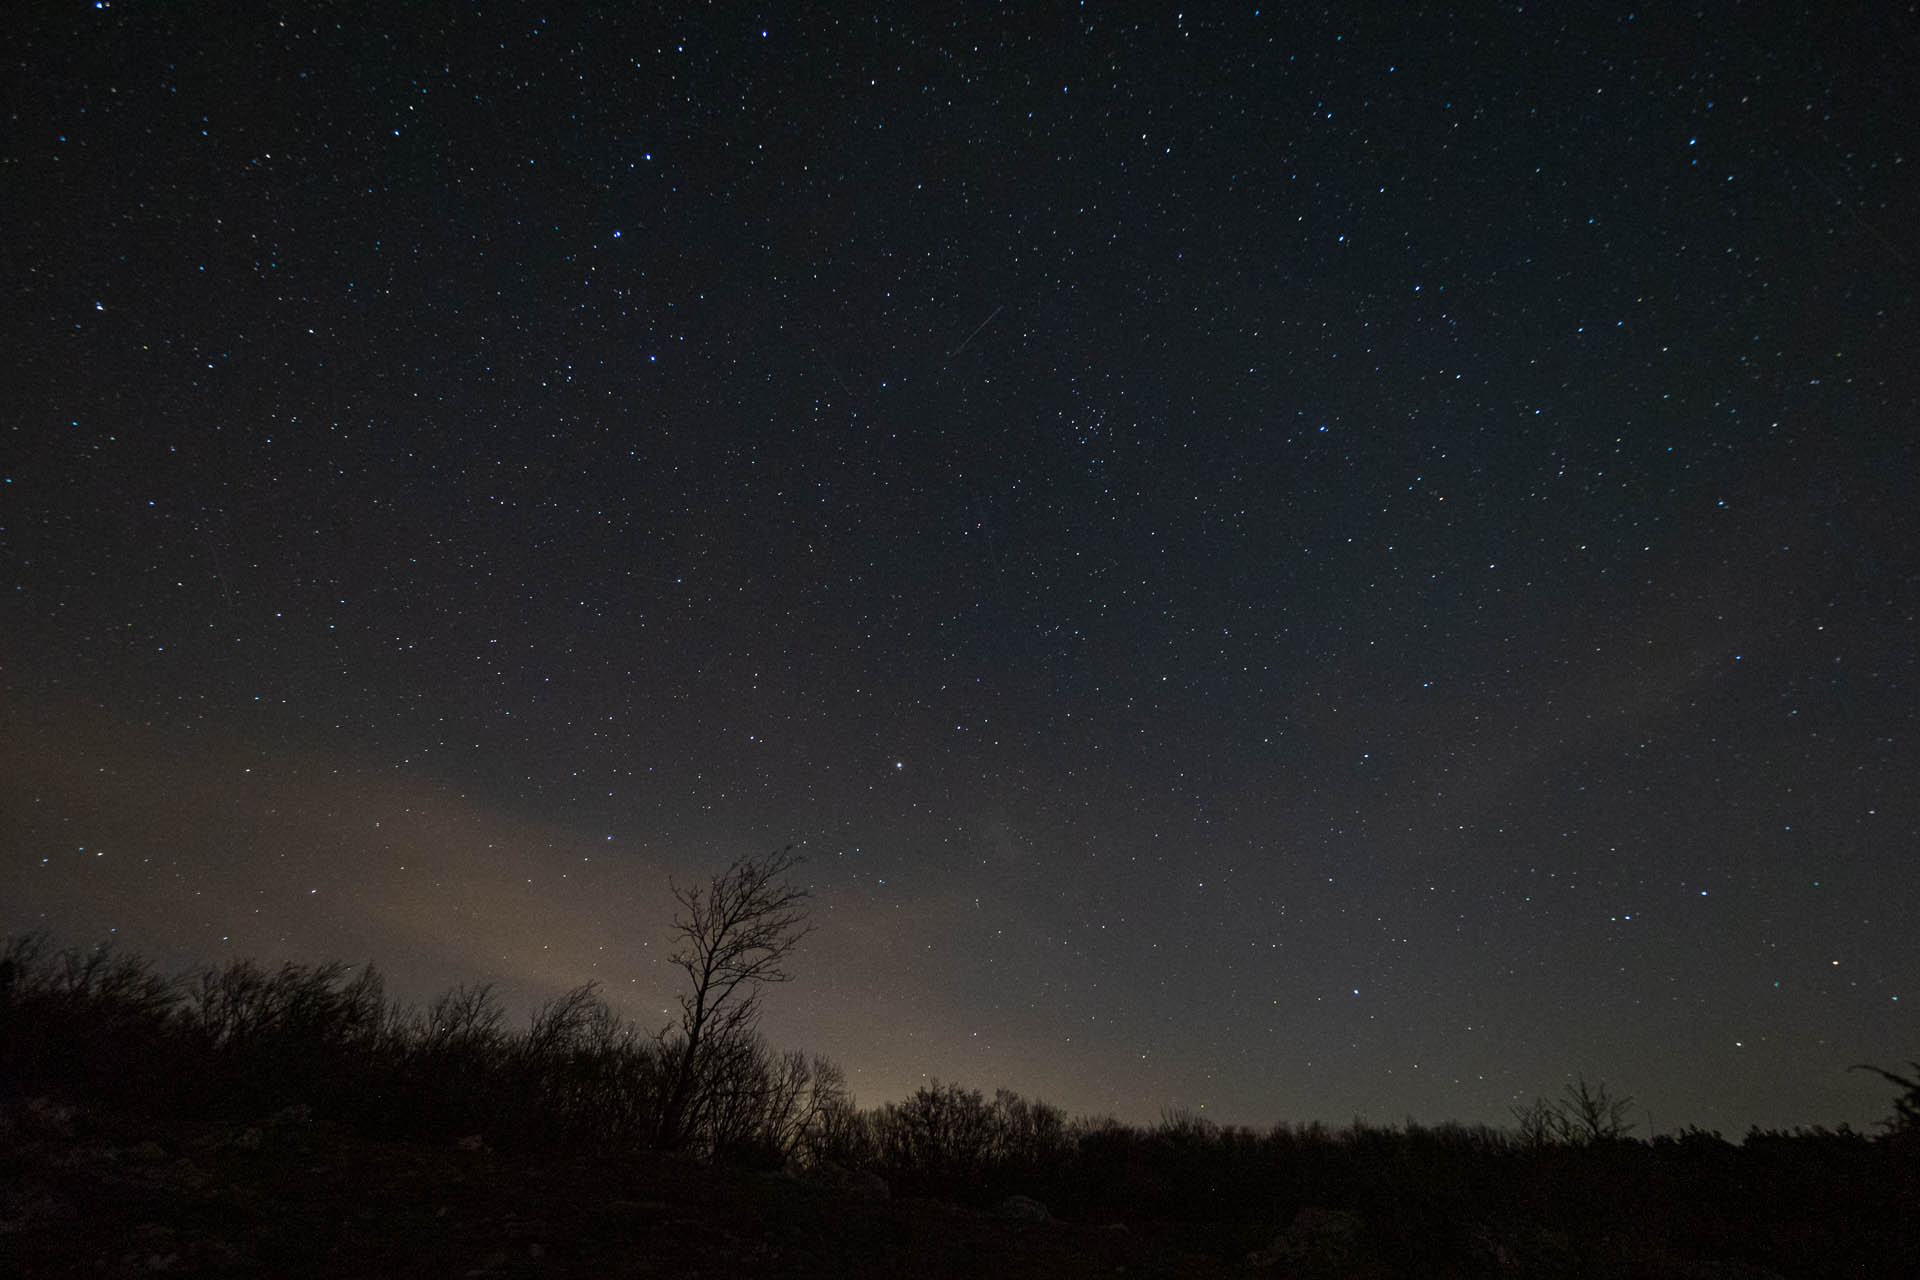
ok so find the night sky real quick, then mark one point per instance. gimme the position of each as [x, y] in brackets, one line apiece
[1286, 562]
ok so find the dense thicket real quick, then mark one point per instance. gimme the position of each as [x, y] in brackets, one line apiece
[104, 1029]
[101, 1029]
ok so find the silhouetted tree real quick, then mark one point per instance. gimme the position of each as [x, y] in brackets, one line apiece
[1538, 1124]
[1590, 1114]
[1587, 1114]
[836, 1131]
[562, 1025]
[1906, 1107]
[944, 1135]
[734, 937]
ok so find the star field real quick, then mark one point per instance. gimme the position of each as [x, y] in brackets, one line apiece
[1288, 563]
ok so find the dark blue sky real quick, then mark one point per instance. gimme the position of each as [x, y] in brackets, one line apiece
[1288, 563]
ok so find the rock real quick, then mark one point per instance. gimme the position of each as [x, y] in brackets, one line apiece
[186, 1176]
[472, 1142]
[493, 1263]
[36, 1119]
[1319, 1239]
[1491, 1248]
[20, 1210]
[1022, 1209]
[297, 1116]
[861, 1184]
[1520, 1249]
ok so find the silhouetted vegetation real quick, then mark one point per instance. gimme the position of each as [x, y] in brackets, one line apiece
[104, 1029]
[1567, 1191]
[1585, 1114]
[1906, 1107]
[734, 936]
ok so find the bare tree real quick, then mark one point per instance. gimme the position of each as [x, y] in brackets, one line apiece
[1539, 1124]
[1906, 1107]
[563, 1025]
[1590, 1114]
[734, 937]
[1586, 1115]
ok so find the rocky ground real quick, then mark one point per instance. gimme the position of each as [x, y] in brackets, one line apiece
[83, 1195]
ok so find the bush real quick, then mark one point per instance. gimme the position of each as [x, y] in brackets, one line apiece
[240, 1041]
[102, 1030]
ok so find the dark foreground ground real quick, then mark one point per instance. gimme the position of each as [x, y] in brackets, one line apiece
[85, 1194]
[286, 1197]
